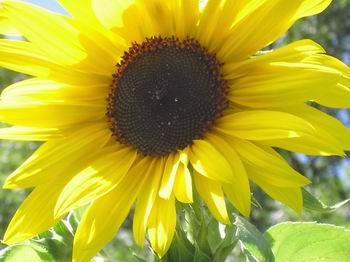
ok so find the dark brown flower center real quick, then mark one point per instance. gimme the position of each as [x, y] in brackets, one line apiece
[165, 94]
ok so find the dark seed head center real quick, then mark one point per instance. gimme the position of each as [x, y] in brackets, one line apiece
[166, 93]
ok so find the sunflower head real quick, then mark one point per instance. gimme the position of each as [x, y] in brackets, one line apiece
[141, 102]
[166, 93]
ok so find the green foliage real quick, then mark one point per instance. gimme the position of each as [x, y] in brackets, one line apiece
[30, 252]
[226, 245]
[313, 204]
[253, 243]
[198, 238]
[309, 242]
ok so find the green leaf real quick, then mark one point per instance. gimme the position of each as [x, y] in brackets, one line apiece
[202, 239]
[63, 229]
[139, 255]
[214, 237]
[200, 256]
[32, 253]
[57, 241]
[226, 245]
[313, 204]
[255, 246]
[181, 249]
[309, 242]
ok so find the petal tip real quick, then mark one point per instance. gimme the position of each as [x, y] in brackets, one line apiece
[60, 211]
[10, 239]
[246, 211]
[8, 185]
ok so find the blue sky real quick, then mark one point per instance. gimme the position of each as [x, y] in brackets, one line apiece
[49, 4]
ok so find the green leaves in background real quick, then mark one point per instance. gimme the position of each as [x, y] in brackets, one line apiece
[31, 252]
[200, 238]
[313, 204]
[309, 242]
[253, 244]
[294, 242]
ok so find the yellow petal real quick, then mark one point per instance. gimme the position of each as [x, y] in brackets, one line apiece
[185, 14]
[228, 153]
[55, 35]
[293, 74]
[207, 22]
[265, 24]
[100, 177]
[35, 215]
[81, 10]
[212, 194]
[54, 156]
[51, 32]
[328, 123]
[131, 24]
[312, 7]
[168, 180]
[281, 85]
[146, 199]
[129, 19]
[109, 12]
[84, 18]
[158, 16]
[35, 62]
[50, 90]
[337, 97]
[20, 133]
[161, 225]
[105, 215]
[331, 137]
[191, 15]
[271, 167]
[293, 71]
[209, 162]
[49, 114]
[294, 52]
[218, 17]
[136, 20]
[308, 145]
[263, 125]
[7, 28]
[183, 185]
[184, 155]
[290, 196]
[238, 192]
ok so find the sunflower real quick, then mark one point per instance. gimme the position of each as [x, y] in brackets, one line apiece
[140, 102]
